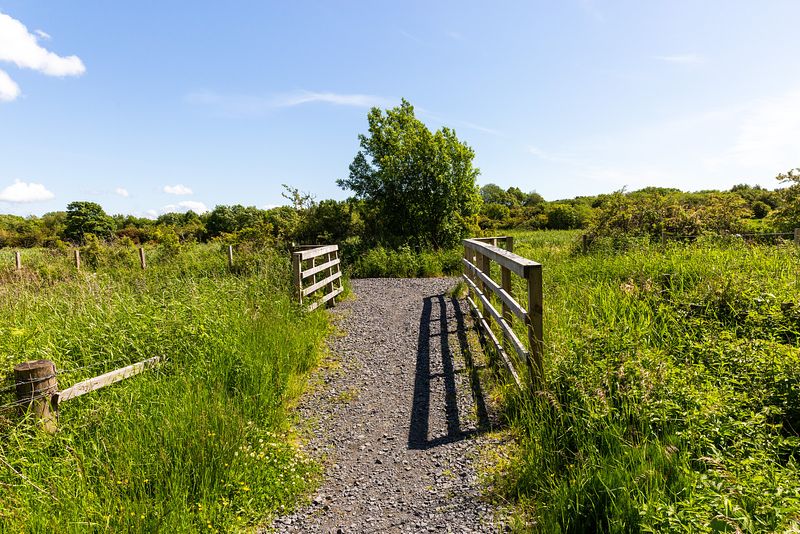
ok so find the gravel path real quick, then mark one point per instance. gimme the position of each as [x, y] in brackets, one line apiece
[399, 423]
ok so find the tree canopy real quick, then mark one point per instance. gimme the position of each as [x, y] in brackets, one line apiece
[87, 218]
[418, 186]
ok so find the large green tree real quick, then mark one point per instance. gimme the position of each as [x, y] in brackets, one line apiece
[87, 218]
[418, 186]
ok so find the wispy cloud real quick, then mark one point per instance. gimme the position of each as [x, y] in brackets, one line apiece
[178, 189]
[440, 119]
[21, 47]
[590, 8]
[249, 105]
[42, 35]
[682, 59]
[121, 191]
[186, 205]
[9, 90]
[23, 192]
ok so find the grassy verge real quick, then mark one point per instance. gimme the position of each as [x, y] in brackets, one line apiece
[672, 400]
[199, 444]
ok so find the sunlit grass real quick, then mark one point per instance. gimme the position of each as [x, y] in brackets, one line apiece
[672, 393]
[201, 442]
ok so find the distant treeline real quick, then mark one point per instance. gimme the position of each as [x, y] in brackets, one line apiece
[353, 222]
[648, 211]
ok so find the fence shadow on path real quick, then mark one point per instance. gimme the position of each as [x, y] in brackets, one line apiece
[434, 342]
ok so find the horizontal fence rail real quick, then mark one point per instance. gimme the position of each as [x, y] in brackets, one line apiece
[317, 268]
[484, 291]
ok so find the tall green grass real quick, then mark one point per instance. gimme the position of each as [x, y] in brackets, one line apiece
[200, 443]
[672, 393]
[381, 262]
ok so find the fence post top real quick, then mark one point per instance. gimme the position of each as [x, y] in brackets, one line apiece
[35, 364]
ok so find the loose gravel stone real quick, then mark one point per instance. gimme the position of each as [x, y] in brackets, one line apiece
[395, 424]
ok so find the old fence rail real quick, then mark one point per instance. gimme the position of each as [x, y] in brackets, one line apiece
[37, 393]
[479, 254]
[317, 269]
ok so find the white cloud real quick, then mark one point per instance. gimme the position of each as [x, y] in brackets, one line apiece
[20, 47]
[151, 214]
[9, 90]
[186, 205]
[42, 34]
[20, 192]
[682, 59]
[767, 138]
[250, 105]
[121, 191]
[178, 189]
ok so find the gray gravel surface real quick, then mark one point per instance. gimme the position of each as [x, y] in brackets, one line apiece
[399, 422]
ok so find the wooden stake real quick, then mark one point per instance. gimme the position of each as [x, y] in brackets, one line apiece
[297, 265]
[535, 327]
[585, 239]
[78, 259]
[230, 256]
[142, 260]
[35, 385]
[18, 260]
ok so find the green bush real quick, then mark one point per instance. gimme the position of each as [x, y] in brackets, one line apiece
[405, 263]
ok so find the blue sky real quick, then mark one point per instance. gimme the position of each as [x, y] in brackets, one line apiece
[153, 106]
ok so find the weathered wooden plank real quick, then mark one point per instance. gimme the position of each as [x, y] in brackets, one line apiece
[497, 345]
[320, 267]
[517, 264]
[104, 380]
[297, 265]
[535, 326]
[504, 295]
[322, 283]
[319, 251]
[313, 306]
[504, 326]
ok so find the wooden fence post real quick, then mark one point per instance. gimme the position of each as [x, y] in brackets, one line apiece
[505, 281]
[142, 260]
[35, 385]
[18, 260]
[230, 256]
[297, 265]
[535, 327]
[585, 243]
[78, 259]
[797, 236]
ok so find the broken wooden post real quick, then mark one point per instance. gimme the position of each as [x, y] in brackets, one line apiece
[142, 260]
[78, 259]
[17, 260]
[35, 385]
[230, 256]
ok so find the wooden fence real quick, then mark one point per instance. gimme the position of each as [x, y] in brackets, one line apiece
[478, 257]
[76, 254]
[319, 264]
[36, 387]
